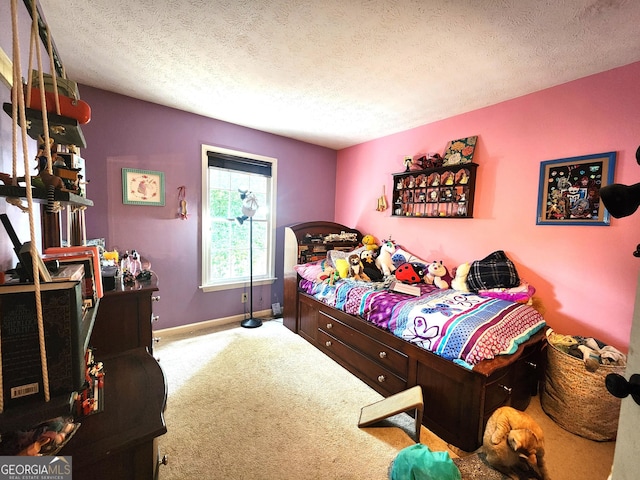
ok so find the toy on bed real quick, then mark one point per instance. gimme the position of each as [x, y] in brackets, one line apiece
[328, 275]
[368, 259]
[459, 281]
[369, 242]
[438, 275]
[411, 272]
[356, 268]
[384, 260]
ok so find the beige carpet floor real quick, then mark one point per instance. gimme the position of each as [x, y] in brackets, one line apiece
[264, 404]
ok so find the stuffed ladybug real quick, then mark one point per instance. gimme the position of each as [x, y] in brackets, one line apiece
[410, 272]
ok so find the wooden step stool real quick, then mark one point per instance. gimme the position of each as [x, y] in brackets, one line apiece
[399, 403]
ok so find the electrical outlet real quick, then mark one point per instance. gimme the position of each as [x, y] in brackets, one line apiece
[244, 298]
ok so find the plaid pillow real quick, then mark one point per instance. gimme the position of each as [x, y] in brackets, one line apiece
[494, 271]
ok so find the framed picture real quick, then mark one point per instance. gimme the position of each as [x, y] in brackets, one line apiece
[569, 190]
[142, 187]
[460, 151]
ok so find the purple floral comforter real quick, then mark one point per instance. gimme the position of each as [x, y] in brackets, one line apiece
[465, 328]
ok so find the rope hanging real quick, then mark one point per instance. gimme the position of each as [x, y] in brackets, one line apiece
[19, 109]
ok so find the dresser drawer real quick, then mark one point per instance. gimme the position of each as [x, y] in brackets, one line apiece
[382, 354]
[498, 392]
[376, 375]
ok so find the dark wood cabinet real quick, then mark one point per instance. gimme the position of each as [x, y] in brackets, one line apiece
[442, 192]
[125, 317]
[120, 441]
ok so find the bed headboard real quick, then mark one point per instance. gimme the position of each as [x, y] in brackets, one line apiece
[293, 235]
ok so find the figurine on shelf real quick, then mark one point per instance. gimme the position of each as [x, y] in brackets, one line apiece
[408, 161]
[462, 205]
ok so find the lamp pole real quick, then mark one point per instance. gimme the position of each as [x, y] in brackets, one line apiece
[251, 322]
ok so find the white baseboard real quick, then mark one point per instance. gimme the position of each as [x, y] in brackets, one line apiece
[196, 328]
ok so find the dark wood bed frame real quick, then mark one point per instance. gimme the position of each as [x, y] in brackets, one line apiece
[457, 401]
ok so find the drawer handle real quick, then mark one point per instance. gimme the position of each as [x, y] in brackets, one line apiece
[382, 354]
[157, 339]
[155, 298]
[155, 318]
[532, 365]
[329, 325]
[381, 378]
[506, 389]
[328, 343]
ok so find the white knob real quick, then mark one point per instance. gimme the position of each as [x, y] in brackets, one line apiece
[329, 325]
[381, 378]
[328, 343]
[383, 354]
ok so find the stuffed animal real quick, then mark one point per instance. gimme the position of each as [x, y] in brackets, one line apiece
[368, 259]
[438, 275]
[329, 275]
[384, 260]
[369, 242]
[356, 268]
[410, 272]
[459, 281]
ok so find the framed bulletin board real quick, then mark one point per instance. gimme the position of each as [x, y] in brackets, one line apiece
[569, 190]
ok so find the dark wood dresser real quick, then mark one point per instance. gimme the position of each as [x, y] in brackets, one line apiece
[125, 317]
[121, 441]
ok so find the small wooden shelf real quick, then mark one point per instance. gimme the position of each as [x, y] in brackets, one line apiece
[40, 195]
[64, 130]
[442, 192]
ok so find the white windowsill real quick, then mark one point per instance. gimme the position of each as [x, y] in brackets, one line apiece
[235, 285]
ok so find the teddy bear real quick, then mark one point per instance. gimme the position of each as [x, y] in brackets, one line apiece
[369, 241]
[438, 275]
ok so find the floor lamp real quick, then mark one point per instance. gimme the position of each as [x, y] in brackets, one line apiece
[249, 207]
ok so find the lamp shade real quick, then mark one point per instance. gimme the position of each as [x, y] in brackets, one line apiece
[621, 200]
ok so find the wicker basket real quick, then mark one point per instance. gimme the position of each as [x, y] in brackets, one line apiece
[577, 399]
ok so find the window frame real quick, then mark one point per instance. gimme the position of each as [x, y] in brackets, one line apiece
[205, 223]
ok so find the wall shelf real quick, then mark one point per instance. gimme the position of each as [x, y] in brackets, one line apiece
[442, 192]
[40, 195]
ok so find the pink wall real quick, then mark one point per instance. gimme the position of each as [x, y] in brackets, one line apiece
[585, 276]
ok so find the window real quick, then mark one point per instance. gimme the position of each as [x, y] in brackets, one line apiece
[225, 238]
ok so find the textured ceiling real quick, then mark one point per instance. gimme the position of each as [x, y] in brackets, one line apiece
[338, 72]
